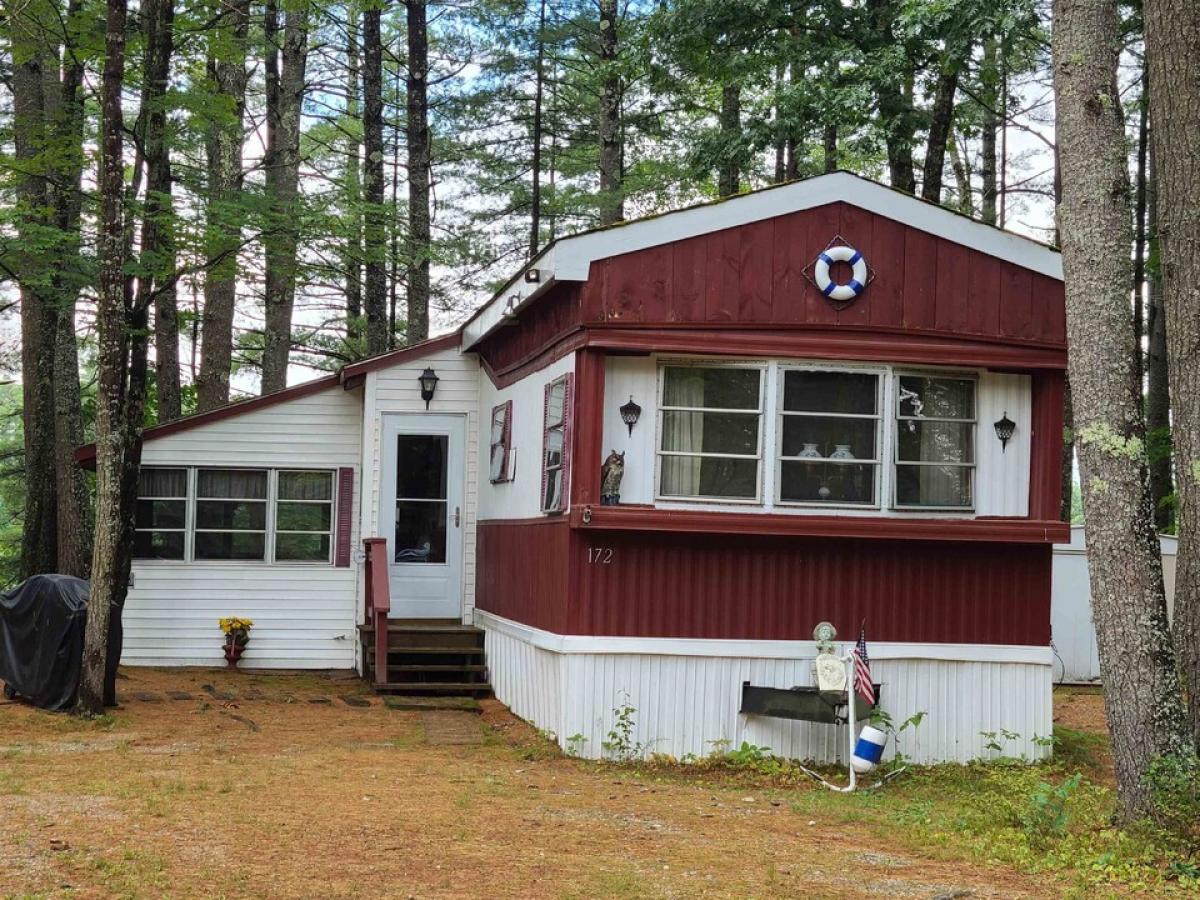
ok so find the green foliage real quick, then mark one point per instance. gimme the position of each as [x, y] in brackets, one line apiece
[1174, 783]
[619, 743]
[1046, 815]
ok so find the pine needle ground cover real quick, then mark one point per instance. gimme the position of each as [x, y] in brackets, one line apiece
[214, 784]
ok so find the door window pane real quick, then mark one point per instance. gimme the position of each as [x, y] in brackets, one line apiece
[420, 531]
[421, 466]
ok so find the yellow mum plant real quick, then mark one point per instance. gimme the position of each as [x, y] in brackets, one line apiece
[236, 627]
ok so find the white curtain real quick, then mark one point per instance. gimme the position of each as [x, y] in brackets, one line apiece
[683, 431]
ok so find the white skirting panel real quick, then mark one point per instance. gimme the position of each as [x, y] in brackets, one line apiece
[688, 703]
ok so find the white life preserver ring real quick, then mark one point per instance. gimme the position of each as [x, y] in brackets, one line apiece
[827, 286]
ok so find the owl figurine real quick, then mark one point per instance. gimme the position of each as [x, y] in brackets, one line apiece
[611, 474]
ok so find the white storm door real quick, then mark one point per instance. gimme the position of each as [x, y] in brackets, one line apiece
[421, 513]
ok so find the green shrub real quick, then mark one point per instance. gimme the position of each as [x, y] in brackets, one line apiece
[1174, 783]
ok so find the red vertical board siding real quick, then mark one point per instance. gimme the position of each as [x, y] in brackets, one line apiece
[887, 259]
[589, 426]
[345, 517]
[688, 269]
[756, 246]
[625, 289]
[756, 588]
[657, 273]
[722, 275]
[981, 303]
[1046, 445]
[788, 285]
[920, 279]
[522, 569]
[953, 280]
[591, 295]
[1016, 302]
[822, 229]
[858, 230]
[1049, 309]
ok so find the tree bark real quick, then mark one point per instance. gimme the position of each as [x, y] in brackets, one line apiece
[612, 203]
[892, 100]
[111, 357]
[539, 90]
[1158, 392]
[989, 78]
[352, 184]
[419, 163]
[941, 123]
[1172, 39]
[1139, 225]
[1142, 691]
[729, 176]
[1066, 507]
[223, 149]
[376, 270]
[285, 100]
[962, 178]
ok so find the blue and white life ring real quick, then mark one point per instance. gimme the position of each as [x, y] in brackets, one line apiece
[831, 289]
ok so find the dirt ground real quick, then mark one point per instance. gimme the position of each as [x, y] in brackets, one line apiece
[288, 790]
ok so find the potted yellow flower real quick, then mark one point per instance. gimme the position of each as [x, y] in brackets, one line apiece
[237, 636]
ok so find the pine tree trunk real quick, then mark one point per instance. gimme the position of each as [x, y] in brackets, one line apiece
[990, 95]
[1139, 226]
[285, 98]
[374, 233]
[1158, 392]
[962, 178]
[419, 168]
[1172, 40]
[352, 185]
[729, 176]
[612, 203]
[941, 122]
[1142, 691]
[111, 357]
[223, 149]
[539, 89]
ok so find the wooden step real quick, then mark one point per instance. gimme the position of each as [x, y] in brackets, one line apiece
[464, 688]
[438, 668]
[429, 651]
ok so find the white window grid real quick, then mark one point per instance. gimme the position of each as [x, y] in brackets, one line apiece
[973, 422]
[184, 498]
[281, 501]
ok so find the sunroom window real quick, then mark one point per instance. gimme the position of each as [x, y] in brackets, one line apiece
[829, 438]
[710, 444]
[231, 514]
[935, 442]
[303, 516]
[161, 519]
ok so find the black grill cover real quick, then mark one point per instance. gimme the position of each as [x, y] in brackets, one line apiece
[42, 621]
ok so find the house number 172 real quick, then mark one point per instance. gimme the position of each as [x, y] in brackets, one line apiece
[600, 556]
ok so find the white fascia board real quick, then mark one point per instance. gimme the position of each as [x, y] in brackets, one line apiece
[753, 649]
[570, 258]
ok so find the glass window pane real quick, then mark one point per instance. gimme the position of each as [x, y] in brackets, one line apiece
[161, 513]
[825, 437]
[303, 516]
[696, 432]
[700, 476]
[554, 404]
[231, 514]
[234, 484]
[498, 424]
[935, 441]
[937, 398]
[497, 465]
[305, 485]
[715, 388]
[841, 392]
[421, 466]
[933, 486]
[554, 445]
[158, 544]
[824, 482]
[552, 498]
[230, 545]
[302, 548]
[162, 483]
[420, 532]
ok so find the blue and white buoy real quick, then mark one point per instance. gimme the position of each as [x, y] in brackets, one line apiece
[868, 750]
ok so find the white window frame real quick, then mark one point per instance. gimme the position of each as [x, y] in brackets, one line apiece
[763, 368]
[896, 419]
[331, 503]
[187, 517]
[879, 462]
[272, 500]
[265, 531]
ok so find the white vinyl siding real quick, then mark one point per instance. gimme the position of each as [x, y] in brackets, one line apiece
[304, 613]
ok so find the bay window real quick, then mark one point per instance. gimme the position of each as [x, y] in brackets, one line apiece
[711, 429]
[834, 442]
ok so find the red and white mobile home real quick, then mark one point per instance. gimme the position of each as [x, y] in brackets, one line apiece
[891, 457]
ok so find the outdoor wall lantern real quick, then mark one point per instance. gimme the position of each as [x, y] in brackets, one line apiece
[1004, 430]
[429, 380]
[630, 413]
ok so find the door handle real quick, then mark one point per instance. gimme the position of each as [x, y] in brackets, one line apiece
[457, 517]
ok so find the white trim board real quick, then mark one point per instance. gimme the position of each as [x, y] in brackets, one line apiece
[750, 649]
[570, 258]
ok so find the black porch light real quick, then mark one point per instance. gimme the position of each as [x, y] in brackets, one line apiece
[630, 413]
[429, 380]
[1004, 430]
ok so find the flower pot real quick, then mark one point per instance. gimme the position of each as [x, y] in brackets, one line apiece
[233, 653]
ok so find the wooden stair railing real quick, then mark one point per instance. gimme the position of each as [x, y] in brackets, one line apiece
[379, 602]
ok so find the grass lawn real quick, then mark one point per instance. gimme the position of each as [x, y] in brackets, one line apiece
[287, 790]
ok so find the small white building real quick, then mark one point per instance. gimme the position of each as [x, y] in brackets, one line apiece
[1073, 632]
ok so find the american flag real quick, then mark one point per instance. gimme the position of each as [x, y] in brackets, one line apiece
[862, 668]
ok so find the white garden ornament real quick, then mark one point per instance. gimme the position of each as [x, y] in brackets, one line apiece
[841, 293]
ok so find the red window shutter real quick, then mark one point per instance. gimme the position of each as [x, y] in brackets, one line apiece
[345, 510]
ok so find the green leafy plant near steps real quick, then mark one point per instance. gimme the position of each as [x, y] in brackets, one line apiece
[619, 743]
[1046, 816]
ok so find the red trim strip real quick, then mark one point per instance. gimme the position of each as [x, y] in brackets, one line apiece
[87, 453]
[647, 518]
[393, 357]
[345, 510]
